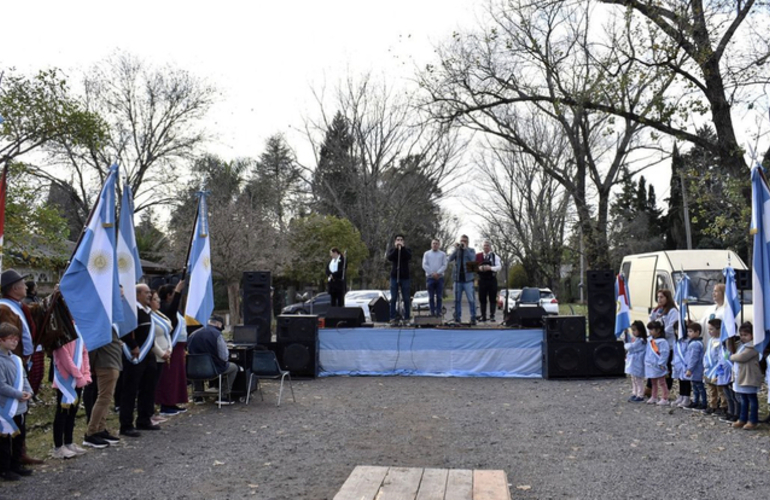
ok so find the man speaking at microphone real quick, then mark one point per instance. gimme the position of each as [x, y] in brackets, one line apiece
[399, 257]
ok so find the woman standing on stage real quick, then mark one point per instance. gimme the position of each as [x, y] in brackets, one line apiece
[335, 274]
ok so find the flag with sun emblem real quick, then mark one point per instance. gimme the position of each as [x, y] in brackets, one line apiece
[90, 282]
[200, 297]
[129, 265]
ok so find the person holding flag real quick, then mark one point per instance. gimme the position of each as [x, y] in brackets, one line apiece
[72, 372]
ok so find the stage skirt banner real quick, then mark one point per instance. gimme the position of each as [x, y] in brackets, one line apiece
[431, 352]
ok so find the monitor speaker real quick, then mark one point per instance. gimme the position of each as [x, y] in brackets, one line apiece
[601, 305]
[586, 360]
[743, 279]
[297, 327]
[380, 310]
[344, 317]
[257, 310]
[299, 358]
[565, 329]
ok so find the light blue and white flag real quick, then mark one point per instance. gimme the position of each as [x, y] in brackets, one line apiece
[681, 299]
[732, 305]
[760, 229]
[68, 385]
[623, 315]
[179, 331]
[129, 265]
[200, 295]
[90, 283]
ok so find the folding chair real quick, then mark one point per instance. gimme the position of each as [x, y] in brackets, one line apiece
[201, 368]
[264, 365]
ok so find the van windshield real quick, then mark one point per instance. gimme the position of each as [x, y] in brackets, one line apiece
[702, 285]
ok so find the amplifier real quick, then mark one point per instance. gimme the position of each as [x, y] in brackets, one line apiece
[241, 356]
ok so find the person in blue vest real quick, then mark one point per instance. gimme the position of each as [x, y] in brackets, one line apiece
[209, 340]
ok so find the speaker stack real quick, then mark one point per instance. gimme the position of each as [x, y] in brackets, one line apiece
[297, 345]
[256, 303]
[567, 354]
[344, 317]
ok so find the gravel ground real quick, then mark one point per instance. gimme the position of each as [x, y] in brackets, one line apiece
[555, 439]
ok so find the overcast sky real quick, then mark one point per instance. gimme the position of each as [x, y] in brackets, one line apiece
[264, 57]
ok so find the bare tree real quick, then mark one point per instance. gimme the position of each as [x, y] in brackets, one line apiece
[390, 169]
[154, 117]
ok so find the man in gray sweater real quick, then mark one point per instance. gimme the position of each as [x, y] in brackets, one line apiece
[434, 263]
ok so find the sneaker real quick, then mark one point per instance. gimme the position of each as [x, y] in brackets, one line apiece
[224, 402]
[106, 436]
[638, 399]
[9, 475]
[749, 427]
[663, 402]
[677, 400]
[95, 441]
[168, 412]
[631, 399]
[62, 453]
[708, 411]
[180, 409]
[158, 420]
[691, 406]
[198, 400]
[75, 449]
[651, 401]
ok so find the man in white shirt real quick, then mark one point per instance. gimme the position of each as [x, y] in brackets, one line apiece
[434, 263]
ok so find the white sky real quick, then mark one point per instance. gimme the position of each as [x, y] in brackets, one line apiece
[264, 57]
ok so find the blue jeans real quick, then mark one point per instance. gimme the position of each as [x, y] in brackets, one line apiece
[699, 393]
[467, 288]
[394, 297]
[435, 294]
[749, 407]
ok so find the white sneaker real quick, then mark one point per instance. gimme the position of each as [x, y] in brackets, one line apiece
[663, 402]
[677, 400]
[651, 401]
[63, 453]
[75, 448]
[684, 402]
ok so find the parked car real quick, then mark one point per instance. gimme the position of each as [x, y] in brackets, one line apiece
[512, 294]
[421, 301]
[317, 305]
[548, 300]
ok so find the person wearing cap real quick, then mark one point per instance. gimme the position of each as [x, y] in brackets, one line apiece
[209, 340]
[27, 319]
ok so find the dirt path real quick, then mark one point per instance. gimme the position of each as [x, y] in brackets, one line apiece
[555, 439]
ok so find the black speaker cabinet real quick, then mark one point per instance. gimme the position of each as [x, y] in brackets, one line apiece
[256, 301]
[344, 317]
[297, 327]
[299, 358]
[379, 308]
[743, 279]
[601, 306]
[586, 360]
[565, 329]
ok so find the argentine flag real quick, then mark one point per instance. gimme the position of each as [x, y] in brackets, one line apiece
[682, 289]
[760, 273]
[732, 305]
[200, 295]
[623, 316]
[129, 266]
[90, 283]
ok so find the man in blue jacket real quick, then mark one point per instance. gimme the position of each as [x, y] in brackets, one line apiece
[463, 278]
[209, 340]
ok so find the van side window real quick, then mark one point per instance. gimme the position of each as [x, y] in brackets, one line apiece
[626, 269]
[663, 282]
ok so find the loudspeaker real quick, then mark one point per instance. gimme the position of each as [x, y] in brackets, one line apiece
[256, 301]
[526, 317]
[344, 317]
[250, 334]
[743, 279]
[297, 327]
[601, 305]
[299, 358]
[586, 360]
[565, 329]
[379, 308]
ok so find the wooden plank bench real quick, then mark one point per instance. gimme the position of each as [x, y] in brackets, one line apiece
[410, 483]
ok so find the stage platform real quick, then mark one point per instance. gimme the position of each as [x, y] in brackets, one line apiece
[433, 352]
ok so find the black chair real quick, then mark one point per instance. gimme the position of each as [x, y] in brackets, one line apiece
[264, 365]
[201, 368]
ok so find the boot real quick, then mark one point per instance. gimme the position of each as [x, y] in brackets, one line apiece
[685, 402]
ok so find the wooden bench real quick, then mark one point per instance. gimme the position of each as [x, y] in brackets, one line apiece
[410, 483]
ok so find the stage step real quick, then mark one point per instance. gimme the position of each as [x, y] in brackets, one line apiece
[410, 483]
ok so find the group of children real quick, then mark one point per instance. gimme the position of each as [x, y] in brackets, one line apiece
[724, 377]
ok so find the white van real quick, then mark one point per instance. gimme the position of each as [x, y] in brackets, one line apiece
[646, 273]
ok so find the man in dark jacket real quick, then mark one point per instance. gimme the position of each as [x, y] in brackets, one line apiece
[209, 340]
[399, 257]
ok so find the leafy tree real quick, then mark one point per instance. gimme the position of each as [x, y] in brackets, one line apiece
[312, 237]
[40, 109]
[151, 241]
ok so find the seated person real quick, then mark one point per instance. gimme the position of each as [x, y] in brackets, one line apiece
[209, 340]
